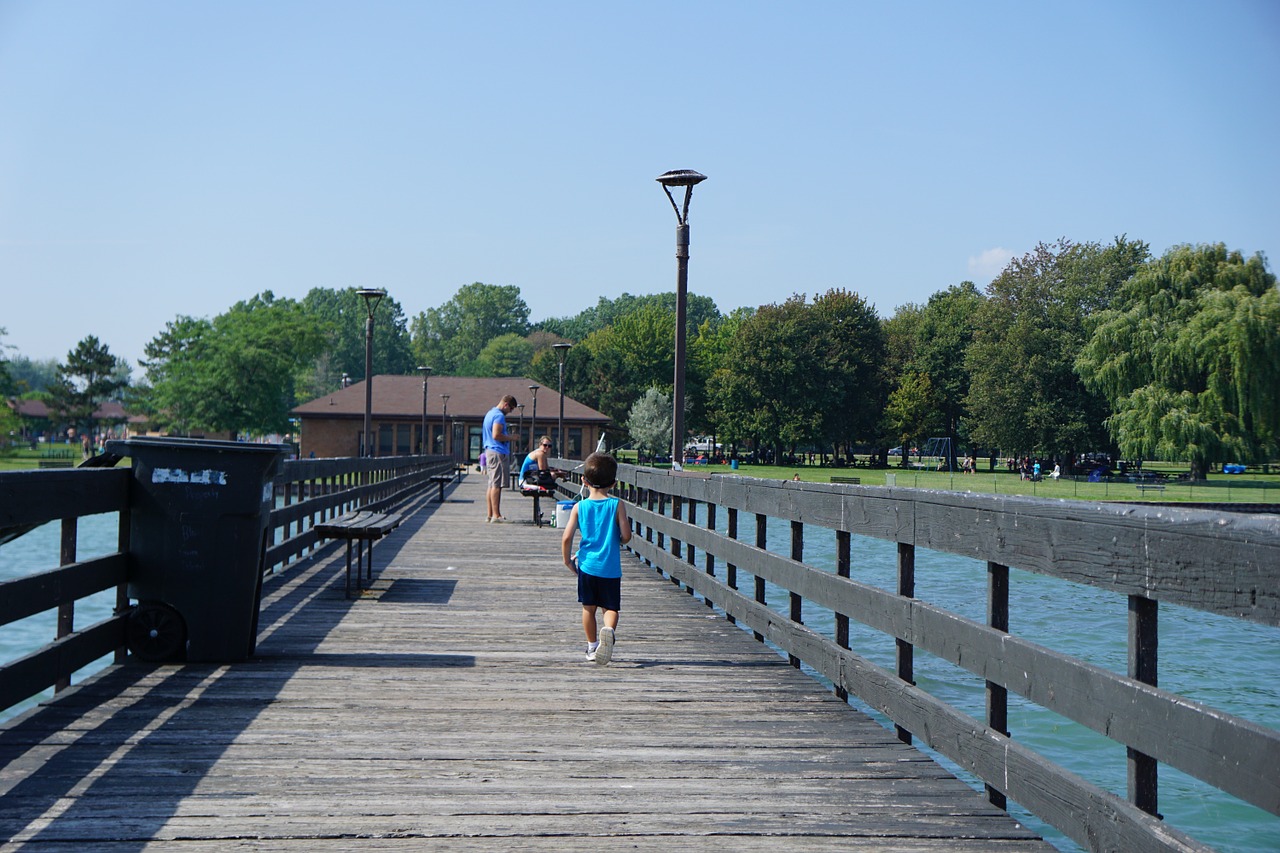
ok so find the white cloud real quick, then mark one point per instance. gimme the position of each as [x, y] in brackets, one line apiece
[988, 265]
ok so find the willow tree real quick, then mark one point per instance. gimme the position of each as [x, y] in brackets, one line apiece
[1189, 358]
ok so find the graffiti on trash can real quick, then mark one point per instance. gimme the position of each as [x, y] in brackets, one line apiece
[208, 477]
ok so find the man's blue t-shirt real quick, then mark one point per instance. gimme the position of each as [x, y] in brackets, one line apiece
[490, 443]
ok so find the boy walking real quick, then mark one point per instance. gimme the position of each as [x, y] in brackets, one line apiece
[605, 528]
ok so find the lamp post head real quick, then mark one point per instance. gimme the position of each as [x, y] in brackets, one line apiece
[533, 389]
[561, 349]
[371, 296]
[686, 178]
[681, 178]
[426, 371]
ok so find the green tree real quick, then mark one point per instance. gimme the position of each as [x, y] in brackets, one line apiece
[450, 338]
[943, 336]
[633, 353]
[1189, 359]
[698, 310]
[90, 377]
[912, 410]
[238, 372]
[649, 423]
[1024, 392]
[341, 315]
[803, 375]
[505, 355]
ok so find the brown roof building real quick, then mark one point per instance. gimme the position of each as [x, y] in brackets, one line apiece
[332, 425]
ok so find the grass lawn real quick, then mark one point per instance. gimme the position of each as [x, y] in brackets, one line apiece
[1219, 488]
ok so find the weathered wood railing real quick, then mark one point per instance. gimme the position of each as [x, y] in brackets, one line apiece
[311, 489]
[1217, 562]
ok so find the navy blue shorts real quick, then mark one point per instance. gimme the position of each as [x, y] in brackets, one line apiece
[594, 591]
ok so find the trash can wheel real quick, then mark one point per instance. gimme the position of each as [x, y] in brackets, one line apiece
[156, 632]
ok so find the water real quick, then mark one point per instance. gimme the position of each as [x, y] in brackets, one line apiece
[38, 551]
[1229, 664]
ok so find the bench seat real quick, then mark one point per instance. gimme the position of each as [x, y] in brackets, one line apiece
[360, 526]
[857, 481]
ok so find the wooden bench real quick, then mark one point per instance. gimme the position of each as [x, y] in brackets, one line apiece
[359, 527]
[537, 493]
[56, 463]
[442, 480]
[1145, 487]
[857, 481]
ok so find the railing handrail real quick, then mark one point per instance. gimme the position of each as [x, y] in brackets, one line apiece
[1222, 563]
[32, 498]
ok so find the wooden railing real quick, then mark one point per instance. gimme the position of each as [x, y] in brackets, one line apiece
[312, 489]
[1217, 562]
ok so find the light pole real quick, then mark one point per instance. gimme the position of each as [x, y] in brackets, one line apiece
[562, 349]
[371, 296]
[424, 446]
[444, 414]
[533, 424]
[688, 179]
[521, 408]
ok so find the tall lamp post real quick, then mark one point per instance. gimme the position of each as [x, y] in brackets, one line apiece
[521, 408]
[444, 415]
[371, 296]
[562, 349]
[688, 179]
[533, 424]
[424, 446]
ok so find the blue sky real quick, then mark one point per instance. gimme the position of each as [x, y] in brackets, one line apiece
[160, 159]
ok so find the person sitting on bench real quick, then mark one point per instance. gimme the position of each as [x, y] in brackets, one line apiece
[535, 472]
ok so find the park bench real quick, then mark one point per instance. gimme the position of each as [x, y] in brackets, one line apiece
[857, 481]
[56, 463]
[359, 527]
[442, 480]
[1146, 487]
[529, 490]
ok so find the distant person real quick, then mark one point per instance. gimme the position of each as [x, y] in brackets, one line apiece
[536, 470]
[598, 564]
[495, 454]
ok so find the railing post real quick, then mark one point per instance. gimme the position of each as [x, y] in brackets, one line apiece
[730, 570]
[677, 514]
[1144, 637]
[711, 560]
[67, 609]
[122, 588]
[842, 621]
[905, 651]
[797, 603]
[762, 538]
[997, 695]
[689, 549]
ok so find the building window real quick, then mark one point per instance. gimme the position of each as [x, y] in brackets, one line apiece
[404, 439]
[386, 440]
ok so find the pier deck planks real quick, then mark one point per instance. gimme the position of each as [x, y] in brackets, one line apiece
[449, 708]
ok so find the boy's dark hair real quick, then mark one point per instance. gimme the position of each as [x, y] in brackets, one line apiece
[600, 470]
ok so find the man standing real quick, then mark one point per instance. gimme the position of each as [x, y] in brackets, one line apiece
[496, 454]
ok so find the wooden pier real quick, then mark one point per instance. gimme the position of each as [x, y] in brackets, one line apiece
[449, 707]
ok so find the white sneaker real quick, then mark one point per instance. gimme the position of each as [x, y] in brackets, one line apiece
[605, 653]
[591, 654]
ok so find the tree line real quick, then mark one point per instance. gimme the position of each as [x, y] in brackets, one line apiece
[1074, 347]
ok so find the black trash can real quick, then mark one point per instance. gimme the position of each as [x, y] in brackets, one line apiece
[199, 512]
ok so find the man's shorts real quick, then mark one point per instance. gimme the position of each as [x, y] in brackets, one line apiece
[595, 591]
[495, 469]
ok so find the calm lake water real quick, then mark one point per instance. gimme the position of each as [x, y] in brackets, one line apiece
[1227, 663]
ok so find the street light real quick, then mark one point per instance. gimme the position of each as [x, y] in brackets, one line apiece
[688, 179]
[444, 414]
[533, 424]
[424, 447]
[371, 296]
[521, 408]
[562, 349]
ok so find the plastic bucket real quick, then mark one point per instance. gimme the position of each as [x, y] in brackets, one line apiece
[561, 516]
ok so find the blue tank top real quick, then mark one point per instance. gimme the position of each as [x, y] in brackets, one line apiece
[600, 553]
